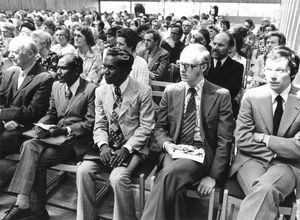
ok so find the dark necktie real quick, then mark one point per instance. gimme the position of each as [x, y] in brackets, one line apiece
[189, 120]
[184, 39]
[277, 114]
[116, 137]
[218, 66]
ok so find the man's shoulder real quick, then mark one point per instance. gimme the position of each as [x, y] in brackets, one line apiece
[257, 92]
[211, 87]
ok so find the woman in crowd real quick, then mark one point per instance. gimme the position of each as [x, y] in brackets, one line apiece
[63, 37]
[92, 61]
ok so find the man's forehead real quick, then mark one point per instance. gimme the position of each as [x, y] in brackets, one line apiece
[278, 61]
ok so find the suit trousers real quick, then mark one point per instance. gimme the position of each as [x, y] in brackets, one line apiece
[31, 174]
[265, 187]
[167, 199]
[88, 172]
[10, 142]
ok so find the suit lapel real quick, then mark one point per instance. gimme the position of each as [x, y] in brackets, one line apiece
[108, 101]
[264, 104]
[29, 77]
[76, 97]
[178, 101]
[290, 112]
[129, 96]
[208, 98]
[154, 58]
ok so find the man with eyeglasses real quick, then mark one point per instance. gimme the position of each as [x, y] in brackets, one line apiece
[267, 161]
[65, 136]
[173, 44]
[193, 114]
[124, 113]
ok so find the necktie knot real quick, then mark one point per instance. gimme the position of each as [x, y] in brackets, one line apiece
[279, 99]
[118, 92]
[68, 93]
[218, 66]
[192, 91]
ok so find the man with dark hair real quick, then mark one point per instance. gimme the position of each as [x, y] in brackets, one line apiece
[156, 57]
[124, 122]
[225, 25]
[268, 141]
[224, 71]
[194, 115]
[70, 117]
[24, 94]
[272, 39]
[127, 39]
[173, 44]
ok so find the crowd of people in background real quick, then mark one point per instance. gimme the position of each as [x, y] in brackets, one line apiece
[81, 61]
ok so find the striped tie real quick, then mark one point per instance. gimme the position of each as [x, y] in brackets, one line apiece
[189, 120]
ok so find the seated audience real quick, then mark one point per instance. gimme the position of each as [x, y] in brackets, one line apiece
[71, 114]
[24, 94]
[193, 114]
[267, 137]
[124, 122]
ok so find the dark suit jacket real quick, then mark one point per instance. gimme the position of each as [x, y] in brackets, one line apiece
[216, 127]
[230, 76]
[174, 52]
[29, 103]
[79, 115]
[159, 63]
[256, 116]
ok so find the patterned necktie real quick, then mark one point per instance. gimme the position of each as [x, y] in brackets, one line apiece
[189, 120]
[68, 95]
[116, 137]
[277, 114]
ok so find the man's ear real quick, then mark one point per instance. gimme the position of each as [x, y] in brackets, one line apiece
[204, 67]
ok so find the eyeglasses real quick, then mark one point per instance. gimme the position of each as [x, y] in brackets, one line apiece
[187, 66]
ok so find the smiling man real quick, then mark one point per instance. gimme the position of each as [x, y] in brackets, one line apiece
[71, 113]
[123, 124]
[193, 112]
[267, 163]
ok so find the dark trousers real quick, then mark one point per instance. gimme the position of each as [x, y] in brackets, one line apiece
[10, 142]
[167, 200]
[31, 174]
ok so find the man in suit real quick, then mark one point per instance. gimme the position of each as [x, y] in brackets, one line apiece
[194, 113]
[187, 27]
[24, 94]
[158, 59]
[224, 71]
[123, 123]
[267, 163]
[71, 116]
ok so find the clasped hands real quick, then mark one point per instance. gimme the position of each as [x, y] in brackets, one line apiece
[113, 158]
[52, 132]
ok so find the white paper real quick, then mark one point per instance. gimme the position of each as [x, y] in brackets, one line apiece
[44, 126]
[190, 152]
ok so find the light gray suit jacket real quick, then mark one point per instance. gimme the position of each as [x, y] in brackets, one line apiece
[136, 117]
[256, 115]
[216, 123]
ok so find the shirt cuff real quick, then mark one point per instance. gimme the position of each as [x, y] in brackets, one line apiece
[266, 139]
[99, 144]
[129, 148]
[165, 145]
[69, 131]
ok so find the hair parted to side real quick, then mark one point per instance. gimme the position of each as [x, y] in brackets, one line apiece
[42, 37]
[293, 60]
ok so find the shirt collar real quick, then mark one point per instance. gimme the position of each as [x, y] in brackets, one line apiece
[27, 70]
[122, 87]
[74, 87]
[198, 87]
[284, 94]
[222, 61]
[89, 53]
